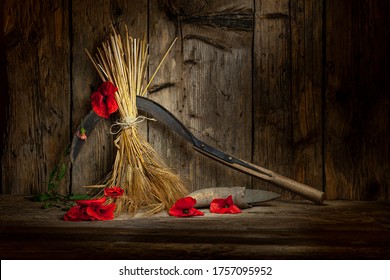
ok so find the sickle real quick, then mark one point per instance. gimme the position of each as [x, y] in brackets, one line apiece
[174, 124]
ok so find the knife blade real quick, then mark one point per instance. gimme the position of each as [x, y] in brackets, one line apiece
[242, 197]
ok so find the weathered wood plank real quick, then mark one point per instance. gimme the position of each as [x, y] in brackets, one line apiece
[45, 244]
[210, 84]
[357, 141]
[272, 146]
[37, 56]
[4, 102]
[92, 21]
[288, 77]
[306, 88]
[275, 230]
[166, 89]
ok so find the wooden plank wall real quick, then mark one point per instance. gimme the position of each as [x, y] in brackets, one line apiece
[358, 101]
[4, 83]
[214, 104]
[38, 71]
[296, 86]
[288, 89]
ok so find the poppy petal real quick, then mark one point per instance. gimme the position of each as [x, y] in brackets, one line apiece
[217, 204]
[102, 212]
[112, 105]
[234, 209]
[91, 202]
[73, 214]
[107, 89]
[174, 211]
[98, 105]
[229, 200]
[184, 207]
[77, 213]
[185, 212]
[185, 203]
[114, 191]
[195, 212]
[107, 211]
[220, 211]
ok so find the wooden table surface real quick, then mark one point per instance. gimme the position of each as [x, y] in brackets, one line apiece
[275, 230]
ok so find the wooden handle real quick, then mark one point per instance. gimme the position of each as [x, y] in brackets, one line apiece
[286, 183]
[301, 189]
[289, 184]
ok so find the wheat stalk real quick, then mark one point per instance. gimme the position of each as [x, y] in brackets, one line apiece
[138, 169]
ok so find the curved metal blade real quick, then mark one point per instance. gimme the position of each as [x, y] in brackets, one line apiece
[165, 117]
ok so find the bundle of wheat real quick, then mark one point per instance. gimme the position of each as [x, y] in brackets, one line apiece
[147, 181]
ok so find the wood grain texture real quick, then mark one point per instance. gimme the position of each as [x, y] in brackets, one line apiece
[166, 89]
[37, 56]
[210, 86]
[288, 83]
[272, 146]
[274, 230]
[357, 143]
[306, 91]
[4, 100]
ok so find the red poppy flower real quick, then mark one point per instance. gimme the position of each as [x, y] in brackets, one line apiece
[224, 206]
[184, 207]
[91, 210]
[103, 101]
[114, 191]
